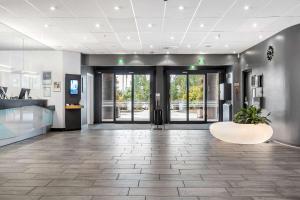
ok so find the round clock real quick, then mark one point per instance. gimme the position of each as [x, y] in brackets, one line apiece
[270, 53]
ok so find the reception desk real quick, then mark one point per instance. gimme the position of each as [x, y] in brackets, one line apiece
[22, 119]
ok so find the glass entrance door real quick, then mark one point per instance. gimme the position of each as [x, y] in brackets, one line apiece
[123, 106]
[194, 97]
[126, 97]
[141, 97]
[178, 97]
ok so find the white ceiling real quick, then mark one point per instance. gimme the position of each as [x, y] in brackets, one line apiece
[11, 39]
[72, 25]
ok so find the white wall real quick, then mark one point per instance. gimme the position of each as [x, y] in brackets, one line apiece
[35, 62]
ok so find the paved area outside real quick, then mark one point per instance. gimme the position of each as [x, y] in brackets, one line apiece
[145, 165]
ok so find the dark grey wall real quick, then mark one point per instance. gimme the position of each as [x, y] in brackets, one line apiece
[281, 81]
[175, 60]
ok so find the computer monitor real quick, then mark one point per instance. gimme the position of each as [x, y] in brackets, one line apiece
[23, 93]
[3, 91]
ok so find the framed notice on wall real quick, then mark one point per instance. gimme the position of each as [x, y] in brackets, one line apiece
[56, 86]
[47, 78]
[47, 91]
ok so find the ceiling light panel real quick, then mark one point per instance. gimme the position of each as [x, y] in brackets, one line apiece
[108, 38]
[261, 23]
[123, 25]
[193, 38]
[45, 7]
[83, 9]
[208, 23]
[124, 12]
[145, 9]
[278, 8]
[238, 11]
[213, 8]
[156, 25]
[174, 25]
[21, 8]
[174, 11]
[229, 24]
[129, 37]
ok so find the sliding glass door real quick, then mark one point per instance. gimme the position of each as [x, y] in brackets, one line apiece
[141, 97]
[193, 97]
[107, 86]
[196, 97]
[178, 97]
[125, 97]
[212, 97]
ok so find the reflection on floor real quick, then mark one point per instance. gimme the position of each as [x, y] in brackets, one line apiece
[114, 126]
[144, 164]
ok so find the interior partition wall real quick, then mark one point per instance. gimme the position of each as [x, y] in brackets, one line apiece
[193, 96]
[124, 96]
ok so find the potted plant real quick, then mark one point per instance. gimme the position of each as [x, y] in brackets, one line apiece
[251, 115]
[248, 127]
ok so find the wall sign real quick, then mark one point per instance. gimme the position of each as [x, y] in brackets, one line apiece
[56, 86]
[47, 78]
[270, 53]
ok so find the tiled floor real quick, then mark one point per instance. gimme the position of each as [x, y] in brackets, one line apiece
[140, 164]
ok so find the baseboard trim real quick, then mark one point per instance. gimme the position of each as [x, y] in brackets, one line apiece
[284, 144]
[57, 129]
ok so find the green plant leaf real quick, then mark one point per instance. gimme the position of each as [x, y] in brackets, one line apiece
[251, 115]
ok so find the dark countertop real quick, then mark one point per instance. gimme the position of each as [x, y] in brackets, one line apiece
[15, 103]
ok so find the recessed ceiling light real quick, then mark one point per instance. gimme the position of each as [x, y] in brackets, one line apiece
[150, 25]
[151, 46]
[201, 25]
[52, 8]
[226, 45]
[217, 37]
[117, 8]
[128, 37]
[188, 46]
[254, 25]
[181, 8]
[97, 25]
[172, 37]
[134, 52]
[46, 25]
[168, 52]
[246, 7]
[260, 37]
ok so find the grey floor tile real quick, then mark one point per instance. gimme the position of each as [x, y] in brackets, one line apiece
[118, 198]
[206, 184]
[214, 192]
[79, 191]
[116, 183]
[15, 190]
[161, 184]
[19, 197]
[256, 192]
[167, 192]
[66, 198]
[172, 198]
[22, 182]
[71, 183]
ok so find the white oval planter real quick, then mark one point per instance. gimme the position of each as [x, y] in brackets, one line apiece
[241, 133]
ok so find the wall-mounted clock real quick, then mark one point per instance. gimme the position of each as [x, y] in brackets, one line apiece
[270, 53]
